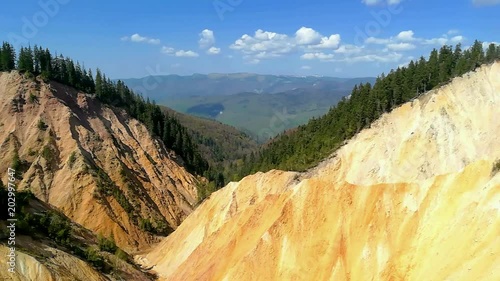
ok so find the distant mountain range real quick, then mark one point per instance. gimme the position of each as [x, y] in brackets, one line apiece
[160, 88]
[260, 105]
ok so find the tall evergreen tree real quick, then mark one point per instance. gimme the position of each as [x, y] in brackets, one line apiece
[433, 69]
[491, 53]
[25, 60]
[7, 57]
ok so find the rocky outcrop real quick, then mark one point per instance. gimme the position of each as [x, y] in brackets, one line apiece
[414, 197]
[100, 167]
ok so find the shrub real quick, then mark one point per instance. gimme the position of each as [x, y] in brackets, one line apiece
[72, 159]
[16, 161]
[33, 98]
[121, 254]
[496, 167]
[94, 258]
[107, 245]
[122, 200]
[146, 225]
[41, 125]
[47, 153]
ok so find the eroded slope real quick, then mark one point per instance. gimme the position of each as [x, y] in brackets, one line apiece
[100, 167]
[415, 197]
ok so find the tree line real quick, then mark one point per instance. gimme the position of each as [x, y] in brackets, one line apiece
[305, 146]
[36, 61]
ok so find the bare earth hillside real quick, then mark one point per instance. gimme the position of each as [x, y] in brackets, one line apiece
[100, 167]
[415, 197]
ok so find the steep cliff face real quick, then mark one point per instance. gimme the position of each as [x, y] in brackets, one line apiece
[97, 165]
[415, 197]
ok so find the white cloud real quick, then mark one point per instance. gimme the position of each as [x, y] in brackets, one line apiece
[400, 46]
[457, 39]
[306, 67]
[376, 2]
[307, 36]
[486, 2]
[436, 41]
[453, 31]
[263, 44]
[348, 49]
[406, 40]
[331, 42]
[487, 44]
[380, 41]
[406, 36]
[266, 44]
[318, 56]
[140, 39]
[213, 51]
[180, 53]
[167, 50]
[188, 54]
[263, 41]
[391, 57]
[207, 39]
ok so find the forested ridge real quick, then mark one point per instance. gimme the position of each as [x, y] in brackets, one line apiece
[307, 145]
[41, 62]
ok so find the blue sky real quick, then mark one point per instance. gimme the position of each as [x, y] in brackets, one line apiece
[344, 38]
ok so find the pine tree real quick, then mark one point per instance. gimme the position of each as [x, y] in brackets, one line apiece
[7, 57]
[98, 84]
[25, 60]
[433, 69]
[446, 58]
[477, 54]
[491, 53]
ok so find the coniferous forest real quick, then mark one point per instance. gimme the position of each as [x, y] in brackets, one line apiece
[41, 62]
[305, 146]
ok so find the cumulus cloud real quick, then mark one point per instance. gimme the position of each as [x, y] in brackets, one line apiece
[457, 39]
[391, 57]
[487, 44]
[266, 44]
[331, 42]
[167, 50]
[213, 51]
[207, 38]
[189, 54]
[318, 56]
[348, 49]
[140, 39]
[406, 40]
[307, 36]
[380, 41]
[406, 36]
[436, 41]
[400, 46]
[178, 53]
